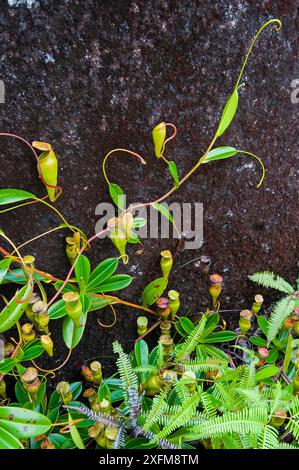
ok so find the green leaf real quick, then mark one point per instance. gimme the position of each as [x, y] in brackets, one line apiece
[14, 310]
[21, 394]
[8, 441]
[57, 310]
[139, 222]
[67, 288]
[220, 153]
[174, 173]
[228, 113]
[33, 352]
[82, 272]
[71, 334]
[273, 356]
[23, 423]
[163, 210]
[153, 291]
[263, 324]
[220, 337]
[9, 196]
[185, 324]
[258, 341]
[266, 372]
[117, 195]
[141, 355]
[7, 365]
[101, 273]
[17, 276]
[75, 434]
[116, 282]
[95, 303]
[4, 265]
[214, 352]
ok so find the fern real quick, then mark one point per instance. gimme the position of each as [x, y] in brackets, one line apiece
[128, 376]
[268, 438]
[293, 421]
[209, 404]
[283, 308]
[242, 422]
[182, 390]
[197, 418]
[269, 279]
[232, 441]
[248, 378]
[180, 418]
[188, 346]
[157, 409]
[202, 365]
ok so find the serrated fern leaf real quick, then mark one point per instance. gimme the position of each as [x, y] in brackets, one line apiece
[246, 421]
[232, 441]
[209, 404]
[182, 390]
[268, 438]
[202, 365]
[269, 279]
[197, 418]
[188, 346]
[248, 378]
[282, 309]
[157, 409]
[128, 376]
[293, 421]
[180, 418]
[222, 393]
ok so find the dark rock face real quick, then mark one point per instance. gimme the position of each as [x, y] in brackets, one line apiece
[94, 75]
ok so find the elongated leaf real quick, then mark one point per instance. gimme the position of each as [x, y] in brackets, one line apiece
[266, 372]
[14, 310]
[8, 440]
[141, 355]
[116, 282]
[33, 352]
[117, 195]
[220, 153]
[7, 365]
[153, 291]
[163, 210]
[228, 113]
[4, 265]
[17, 276]
[23, 423]
[174, 173]
[220, 337]
[57, 310]
[9, 196]
[82, 272]
[75, 434]
[138, 222]
[96, 303]
[71, 334]
[101, 273]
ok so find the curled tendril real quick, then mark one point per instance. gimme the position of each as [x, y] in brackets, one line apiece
[168, 124]
[277, 27]
[130, 152]
[114, 315]
[52, 371]
[260, 162]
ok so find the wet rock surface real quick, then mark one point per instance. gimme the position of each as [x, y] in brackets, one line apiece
[94, 75]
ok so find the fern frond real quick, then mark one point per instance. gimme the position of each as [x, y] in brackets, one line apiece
[157, 409]
[269, 279]
[223, 393]
[282, 309]
[268, 438]
[248, 378]
[293, 421]
[197, 418]
[202, 365]
[180, 418]
[182, 390]
[188, 346]
[232, 441]
[251, 396]
[286, 446]
[103, 418]
[119, 442]
[128, 376]
[246, 421]
[209, 405]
